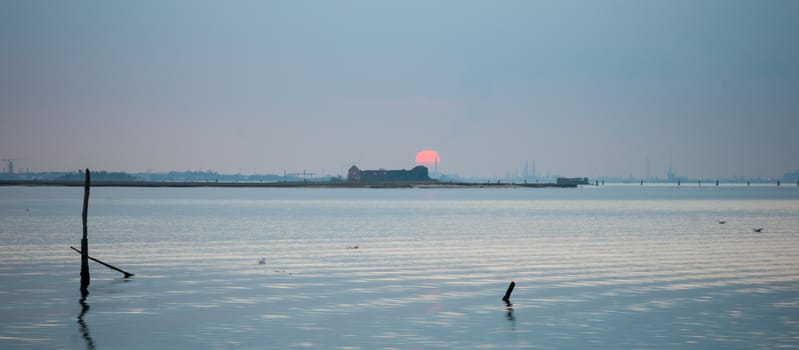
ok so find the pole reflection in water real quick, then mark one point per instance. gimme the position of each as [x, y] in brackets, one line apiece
[510, 316]
[84, 329]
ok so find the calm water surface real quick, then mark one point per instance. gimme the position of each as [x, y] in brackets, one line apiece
[597, 267]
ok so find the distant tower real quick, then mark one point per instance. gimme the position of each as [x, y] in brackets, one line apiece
[526, 168]
[10, 167]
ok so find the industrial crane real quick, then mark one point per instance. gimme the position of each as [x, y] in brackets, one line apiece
[303, 174]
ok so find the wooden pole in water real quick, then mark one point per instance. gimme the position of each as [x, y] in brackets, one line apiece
[84, 243]
[506, 298]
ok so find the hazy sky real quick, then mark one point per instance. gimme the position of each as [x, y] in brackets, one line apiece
[584, 88]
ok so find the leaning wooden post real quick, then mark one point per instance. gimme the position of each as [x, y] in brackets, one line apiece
[84, 243]
[127, 274]
[506, 298]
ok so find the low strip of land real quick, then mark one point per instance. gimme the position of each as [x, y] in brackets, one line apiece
[291, 184]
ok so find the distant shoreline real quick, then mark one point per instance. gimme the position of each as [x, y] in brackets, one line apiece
[292, 184]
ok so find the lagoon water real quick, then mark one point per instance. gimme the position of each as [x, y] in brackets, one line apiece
[611, 267]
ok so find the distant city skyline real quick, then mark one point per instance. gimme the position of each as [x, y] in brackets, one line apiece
[515, 175]
[583, 88]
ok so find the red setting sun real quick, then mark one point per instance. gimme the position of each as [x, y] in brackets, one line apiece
[428, 158]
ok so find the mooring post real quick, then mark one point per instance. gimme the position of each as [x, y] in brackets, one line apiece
[506, 298]
[84, 243]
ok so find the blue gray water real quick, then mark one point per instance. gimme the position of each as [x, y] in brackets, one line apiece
[611, 267]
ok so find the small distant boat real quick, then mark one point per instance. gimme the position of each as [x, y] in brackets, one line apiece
[757, 229]
[722, 222]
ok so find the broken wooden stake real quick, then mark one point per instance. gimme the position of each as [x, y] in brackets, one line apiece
[84, 242]
[506, 298]
[127, 274]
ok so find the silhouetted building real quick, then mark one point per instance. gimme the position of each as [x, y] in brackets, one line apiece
[354, 174]
[572, 181]
[417, 174]
[791, 177]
